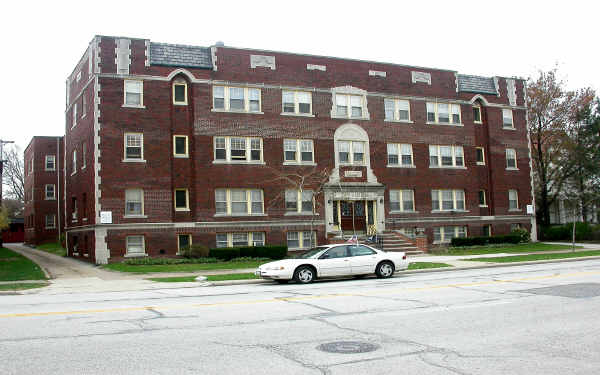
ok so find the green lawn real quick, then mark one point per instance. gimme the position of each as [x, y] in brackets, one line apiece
[185, 279]
[425, 265]
[518, 248]
[53, 248]
[525, 258]
[14, 267]
[188, 267]
[22, 286]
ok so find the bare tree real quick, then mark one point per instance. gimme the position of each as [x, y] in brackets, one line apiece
[14, 208]
[13, 175]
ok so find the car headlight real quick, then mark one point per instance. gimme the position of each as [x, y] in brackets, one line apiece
[275, 268]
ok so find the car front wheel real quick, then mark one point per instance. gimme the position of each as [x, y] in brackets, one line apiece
[304, 275]
[384, 270]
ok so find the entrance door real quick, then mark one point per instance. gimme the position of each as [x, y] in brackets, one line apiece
[352, 215]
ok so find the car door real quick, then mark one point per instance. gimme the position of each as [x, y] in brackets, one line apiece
[335, 262]
[362, 259]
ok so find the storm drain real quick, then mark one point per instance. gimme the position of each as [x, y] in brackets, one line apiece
[348, 347]
[580, 290]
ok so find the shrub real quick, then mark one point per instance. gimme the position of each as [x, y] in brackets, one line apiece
[482, 241]
[225, 253]
[195, 251]
[161, 261]
[583, 231]
[522, 233]
[268, 251]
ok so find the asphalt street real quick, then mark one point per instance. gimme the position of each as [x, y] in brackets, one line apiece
[530, 319]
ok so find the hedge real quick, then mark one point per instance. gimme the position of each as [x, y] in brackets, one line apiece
[482, 241]
[269, 251]
[583, 231]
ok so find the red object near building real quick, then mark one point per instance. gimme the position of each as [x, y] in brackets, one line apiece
[15, 232]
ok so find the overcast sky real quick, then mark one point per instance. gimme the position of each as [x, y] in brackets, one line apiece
[42, 42]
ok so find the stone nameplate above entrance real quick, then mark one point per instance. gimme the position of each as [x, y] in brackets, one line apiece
[357, 174]
[355, 195]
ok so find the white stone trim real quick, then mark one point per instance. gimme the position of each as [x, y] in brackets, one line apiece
[213, 54]
[122, 47]
[147, 52]
[423, 77]
[351, 132]
[377, 73]
[101, 247]
[322, 68]
[511, 91]
[262, 61]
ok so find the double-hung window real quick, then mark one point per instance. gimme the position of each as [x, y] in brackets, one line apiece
[50, 192]
[507, 118]
[74, 170]
[180, 146]
[50, 162]
[349, 106]
[301, 240]
[135, 246]
[447, 200]
[446, 156]
[134, 202]
[482, 199]
[240, 239]
[50, 221]
[83, 155]
[443, 113]
[480, 155]
[299, 201]
[402, 200]
[238, 149]
[184, 241]
[134, 93]
[298, 151]
[513, 200]
[134, 147]
[511, 158]
[74, 115]
[182, 200]
[400, 155]
[239, 202]
[236, 99]
[180, 92]
[477, 114]
[397, 110]
[351, 152]
[445, 234]
[296, 102]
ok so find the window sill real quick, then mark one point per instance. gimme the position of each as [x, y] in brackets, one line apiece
[508, 128]
[135, 255]
[50, 170]
[50, 228]
[297, 114]
[480, 163]
[444, 123]
[515, 210]
[50, 199]
[240, 215]
[478, 122]
[75, 254]
[181, 156]
[82, 168]
[448, 211]
[446, 167]
[239, 162]
[135, 216]
[350, 165]
[84, 219]
[86, 255]
[400, 166]
[299, 164]
[133, 106]
[403, 212]
[300, 214]
[182, 210]
[237, 111]
[133, 160]
[400, 121]
[483, 206]
[183, 104]
[512, 169]
[440, 242]
[351, 118]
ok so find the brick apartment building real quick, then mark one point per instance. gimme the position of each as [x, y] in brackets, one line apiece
[167, 145]
[44, 184]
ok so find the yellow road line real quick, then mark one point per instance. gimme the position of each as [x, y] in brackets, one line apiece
[284, 299]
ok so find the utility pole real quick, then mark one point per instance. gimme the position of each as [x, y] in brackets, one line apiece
[2, 143]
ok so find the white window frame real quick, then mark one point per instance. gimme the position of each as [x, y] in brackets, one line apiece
[53, 225]
[454, 200]
[453, 150]
[83, 155]
[53, 196]
[83, 104]
[447, 237]
[398, 148]
[296, 103]
[250, 236]
[507, 113]
[348, 99]
[451, 108]
[180, 82]
[229, 159]
[482, 162]
[140, 85]
[187, 199]
[246, 98]
[400, 194]
[514, 154]
[74, 115]
[303, 243]
[51, 158]
[31, 165]
[396, 115]
[351, 152]
[228, 201]
[516, 200]
[133, 160]
[188, 235]
[484, 198]
[477, 107]
[298, 194]
[184, 155]
[141, 195]
[129, 254]
[74, 165]
[298, 150]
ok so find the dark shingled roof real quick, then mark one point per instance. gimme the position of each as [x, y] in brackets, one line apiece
[481, 85]
[180, 55]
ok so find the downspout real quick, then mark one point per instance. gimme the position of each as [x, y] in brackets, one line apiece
[58, 184]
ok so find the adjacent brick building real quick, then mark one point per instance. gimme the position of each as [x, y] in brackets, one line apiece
[44, 187]
[167, 145]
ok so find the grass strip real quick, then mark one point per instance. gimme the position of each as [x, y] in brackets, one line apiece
[22, 286]
[232, 276]
[188, 267]
[53, 248]
[14, 267]
[174, 279]
[530, 257]
[425, 265]
[517, 248]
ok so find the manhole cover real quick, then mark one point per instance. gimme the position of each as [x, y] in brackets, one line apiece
[348, 347]
[581, 290]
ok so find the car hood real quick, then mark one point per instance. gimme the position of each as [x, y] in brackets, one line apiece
[286, 263]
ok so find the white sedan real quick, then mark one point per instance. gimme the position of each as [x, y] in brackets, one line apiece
[334, 261]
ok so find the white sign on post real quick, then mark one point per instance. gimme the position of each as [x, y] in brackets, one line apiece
[530, 209]
[105, 217]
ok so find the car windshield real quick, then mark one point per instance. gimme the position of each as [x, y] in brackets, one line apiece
[312, 252]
